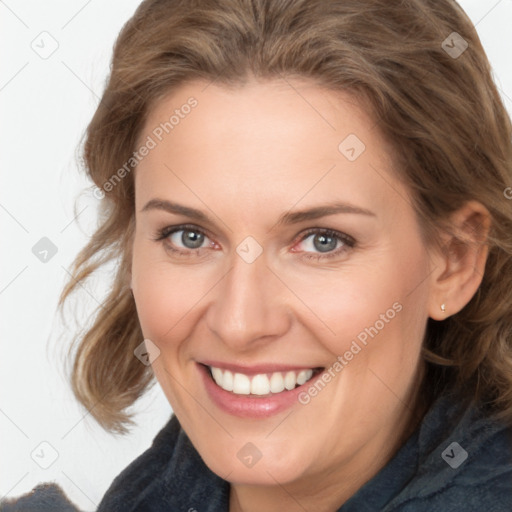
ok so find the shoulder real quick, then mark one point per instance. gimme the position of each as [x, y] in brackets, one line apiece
[459, 459]
[464, 462]
[124, 492]
[170, 475]
[47, 497]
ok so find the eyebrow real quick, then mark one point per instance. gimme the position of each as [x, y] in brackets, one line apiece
[286, 218]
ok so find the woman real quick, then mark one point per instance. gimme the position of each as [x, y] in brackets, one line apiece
[307, 200]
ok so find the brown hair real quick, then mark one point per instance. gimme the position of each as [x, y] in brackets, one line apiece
[441, 112]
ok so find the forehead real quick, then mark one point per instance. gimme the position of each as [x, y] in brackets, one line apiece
[289, 109]
[272, 143]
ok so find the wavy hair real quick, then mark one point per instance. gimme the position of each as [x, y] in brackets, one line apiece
[439, 109]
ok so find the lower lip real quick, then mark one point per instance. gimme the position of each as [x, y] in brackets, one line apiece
[247, 406]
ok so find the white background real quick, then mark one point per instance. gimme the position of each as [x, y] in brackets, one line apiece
[45, 107]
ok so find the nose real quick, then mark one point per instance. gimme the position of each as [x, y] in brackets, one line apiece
[249, 306]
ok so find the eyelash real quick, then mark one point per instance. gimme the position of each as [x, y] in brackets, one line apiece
[348, 241]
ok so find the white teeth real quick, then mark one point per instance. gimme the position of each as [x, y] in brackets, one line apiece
[261, 384]
[217, 375]
[304, 376]
[241, 384]
[227, 381]
[276, 383]
[290, 380]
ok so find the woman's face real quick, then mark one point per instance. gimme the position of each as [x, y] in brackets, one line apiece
[274, 244]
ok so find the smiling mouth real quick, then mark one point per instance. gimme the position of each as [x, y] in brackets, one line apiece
[262, 384]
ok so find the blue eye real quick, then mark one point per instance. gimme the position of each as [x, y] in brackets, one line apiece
[183, 240]
[190, 239]
[326, 242]
[323, 242]
[317, 243]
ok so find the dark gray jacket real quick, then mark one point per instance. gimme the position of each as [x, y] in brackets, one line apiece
[458, 460]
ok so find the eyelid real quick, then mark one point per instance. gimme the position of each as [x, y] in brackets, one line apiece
[325, 231]
[169, 230]
[348, 241]
[163, 234]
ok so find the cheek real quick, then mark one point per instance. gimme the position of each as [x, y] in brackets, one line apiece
[165, 294]
[379, 304]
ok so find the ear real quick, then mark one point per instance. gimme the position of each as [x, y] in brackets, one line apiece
[459, 265]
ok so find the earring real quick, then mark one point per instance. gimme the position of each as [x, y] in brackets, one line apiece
[443, 308]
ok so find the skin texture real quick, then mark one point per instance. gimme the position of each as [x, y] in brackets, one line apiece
[244, 157]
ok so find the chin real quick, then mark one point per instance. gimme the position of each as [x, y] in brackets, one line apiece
[255, 463]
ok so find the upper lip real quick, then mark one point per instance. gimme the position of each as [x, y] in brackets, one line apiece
[258, 368]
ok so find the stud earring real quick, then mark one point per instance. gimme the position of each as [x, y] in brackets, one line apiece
[443, 308]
